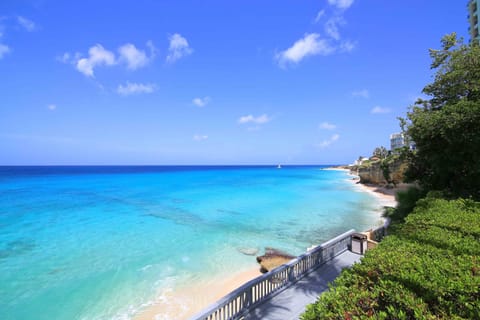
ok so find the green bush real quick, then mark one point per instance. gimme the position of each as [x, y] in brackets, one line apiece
[428, 269]
[406, 200]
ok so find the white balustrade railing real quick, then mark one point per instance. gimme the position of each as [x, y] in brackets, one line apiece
[381, 232]
[237, 303]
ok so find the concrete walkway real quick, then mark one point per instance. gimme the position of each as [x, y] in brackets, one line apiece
[291, 302]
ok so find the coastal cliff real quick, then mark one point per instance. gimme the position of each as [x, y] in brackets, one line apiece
[381, 172]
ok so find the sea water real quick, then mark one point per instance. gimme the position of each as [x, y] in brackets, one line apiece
[101, 242]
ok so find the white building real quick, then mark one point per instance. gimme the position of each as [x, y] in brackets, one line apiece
[360, 161]
[397, 141]
[473, 16]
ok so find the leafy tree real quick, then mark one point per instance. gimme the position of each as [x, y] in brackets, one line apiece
[448, 148]
[446, 128]
[457, 74]
[380, 152]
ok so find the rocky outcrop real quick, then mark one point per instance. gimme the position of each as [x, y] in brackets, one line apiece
[373, 172]
[273, 258]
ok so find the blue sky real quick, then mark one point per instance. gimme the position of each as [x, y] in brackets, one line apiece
[211, 82]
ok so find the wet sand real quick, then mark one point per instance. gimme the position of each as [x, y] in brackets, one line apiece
[386, 196]
[187, 301]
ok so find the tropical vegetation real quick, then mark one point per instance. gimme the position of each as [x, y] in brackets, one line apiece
[429, 265]
[429, 268]
[446, 127]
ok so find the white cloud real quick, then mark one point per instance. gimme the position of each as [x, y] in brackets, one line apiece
[341, 4]
[129, 55]
[201, 102]
[178, 48]
[331, 27]
[251, 119]
[311, 44]
[329, 141]
[67, 57]
[200, 137]
[379, 110]
[319, 16]
[327, 126]
[64, 58]
[52, 107]
[153, 50]
[361, 93]
[98, 56]
[27, 24]
[347, 46]
[4, 49]
[133, 57]
[314, 44]
[135, 88]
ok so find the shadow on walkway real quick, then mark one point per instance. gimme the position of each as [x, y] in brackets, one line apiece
[290, 303]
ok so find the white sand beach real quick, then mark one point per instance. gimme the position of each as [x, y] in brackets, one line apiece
[185, 302]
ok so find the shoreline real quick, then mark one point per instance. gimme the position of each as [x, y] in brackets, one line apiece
[188, 300]
[385, 195]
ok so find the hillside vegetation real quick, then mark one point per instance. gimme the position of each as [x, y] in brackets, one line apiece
[428, 269]
[445, 127]
[388, 171]
[429, 265]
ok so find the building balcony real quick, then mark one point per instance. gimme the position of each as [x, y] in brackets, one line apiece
[472, 6]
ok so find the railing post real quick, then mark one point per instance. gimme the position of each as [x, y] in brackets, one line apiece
[290, 273]
[249, 296]
[319, 257]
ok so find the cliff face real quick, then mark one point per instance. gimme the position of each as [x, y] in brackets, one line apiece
[373, 172]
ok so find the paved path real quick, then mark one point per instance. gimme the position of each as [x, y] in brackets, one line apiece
[290, 303]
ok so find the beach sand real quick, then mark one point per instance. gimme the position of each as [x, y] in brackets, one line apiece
[386, 196]
[185, 302]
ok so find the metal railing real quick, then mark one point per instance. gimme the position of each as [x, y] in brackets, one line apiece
[237, 303]
[380, 232]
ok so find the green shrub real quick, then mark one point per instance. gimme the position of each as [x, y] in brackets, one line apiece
[406, 202]
[428, 269]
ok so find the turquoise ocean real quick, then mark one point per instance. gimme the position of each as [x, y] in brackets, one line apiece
[101, 242]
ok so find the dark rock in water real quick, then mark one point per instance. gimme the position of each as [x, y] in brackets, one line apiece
[248, 251]
[269, 252]
[272, 259]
